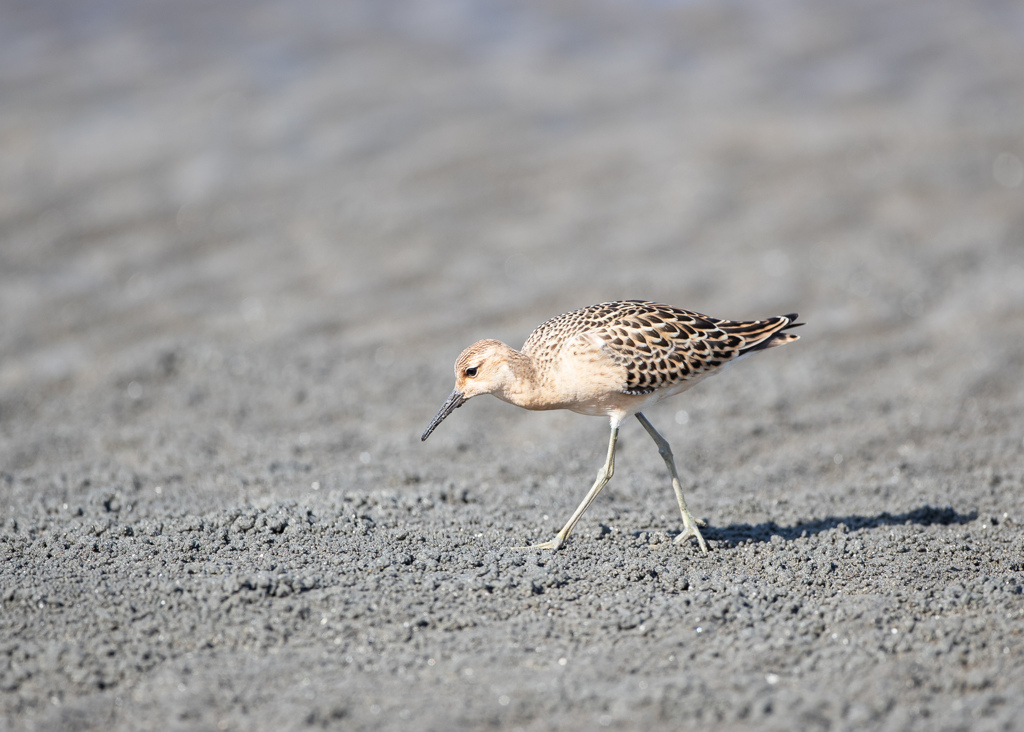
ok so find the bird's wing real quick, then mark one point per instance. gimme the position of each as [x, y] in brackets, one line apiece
[661, 345]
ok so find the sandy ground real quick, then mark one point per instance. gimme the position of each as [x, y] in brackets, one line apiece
[241, 244]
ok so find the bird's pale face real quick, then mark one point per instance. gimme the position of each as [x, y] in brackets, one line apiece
[480, 369]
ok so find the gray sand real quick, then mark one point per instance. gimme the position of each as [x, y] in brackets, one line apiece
[242, 243]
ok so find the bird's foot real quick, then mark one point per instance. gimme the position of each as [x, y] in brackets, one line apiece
[553, 545]
[690, 531]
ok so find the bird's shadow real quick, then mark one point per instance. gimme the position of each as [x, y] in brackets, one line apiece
[735, 534]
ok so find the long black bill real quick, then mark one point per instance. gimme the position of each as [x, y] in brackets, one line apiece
[455, 401]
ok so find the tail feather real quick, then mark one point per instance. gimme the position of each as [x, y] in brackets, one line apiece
[762, 334]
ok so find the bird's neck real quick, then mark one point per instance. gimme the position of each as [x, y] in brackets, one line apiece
[523, 388]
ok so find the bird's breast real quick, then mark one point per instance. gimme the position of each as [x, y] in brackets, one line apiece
[580, 377]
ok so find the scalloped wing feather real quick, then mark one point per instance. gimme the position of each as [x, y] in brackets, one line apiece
[658, 345]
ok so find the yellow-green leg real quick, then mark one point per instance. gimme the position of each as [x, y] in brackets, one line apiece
[690, 524]
[603, 476]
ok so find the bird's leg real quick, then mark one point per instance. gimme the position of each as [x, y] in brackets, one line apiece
[690, 524]
[603, 476]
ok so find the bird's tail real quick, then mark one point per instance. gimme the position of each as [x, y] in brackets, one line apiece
[758, 335]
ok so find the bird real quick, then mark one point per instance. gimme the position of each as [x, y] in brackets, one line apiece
[613, 359]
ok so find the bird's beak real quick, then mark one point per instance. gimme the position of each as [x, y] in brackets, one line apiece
[456, 400]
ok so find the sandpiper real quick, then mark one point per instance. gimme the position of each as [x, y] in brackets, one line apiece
[612, 359]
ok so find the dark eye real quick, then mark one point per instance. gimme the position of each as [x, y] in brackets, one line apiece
[471, 371]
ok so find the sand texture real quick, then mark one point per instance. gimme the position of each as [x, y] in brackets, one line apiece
[242, 243]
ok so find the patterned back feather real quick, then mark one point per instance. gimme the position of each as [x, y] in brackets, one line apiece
[658, 345]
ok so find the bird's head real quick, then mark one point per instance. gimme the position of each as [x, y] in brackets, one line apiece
[483, 368]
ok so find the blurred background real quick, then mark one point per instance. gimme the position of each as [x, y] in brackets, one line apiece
[243, 230]
[243, 242]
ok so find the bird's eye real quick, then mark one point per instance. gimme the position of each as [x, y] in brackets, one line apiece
[471, 371]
